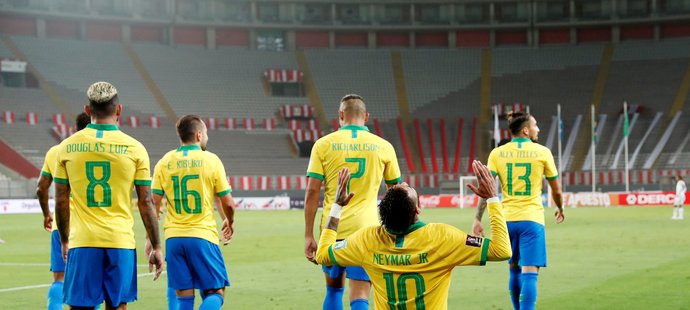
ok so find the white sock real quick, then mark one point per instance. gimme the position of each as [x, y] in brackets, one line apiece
[675, 212]
[680, 213]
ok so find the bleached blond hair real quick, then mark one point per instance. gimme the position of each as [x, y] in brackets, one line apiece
[101, 92]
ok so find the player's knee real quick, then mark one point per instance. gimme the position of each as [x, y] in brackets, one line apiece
[219, 291]
[359, 289]
[59, 276]
[338, 282]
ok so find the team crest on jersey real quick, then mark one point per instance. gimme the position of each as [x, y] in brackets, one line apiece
[474, 241]
[340, 245]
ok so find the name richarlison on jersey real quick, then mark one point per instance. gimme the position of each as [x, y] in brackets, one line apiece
[400, 259]
[369, 147]
[96, 147]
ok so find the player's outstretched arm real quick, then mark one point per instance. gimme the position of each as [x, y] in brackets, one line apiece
[311, 204]
[329, 235]
[42, 193]
[62, 215]
[499, 247]
[150, 218]
[557, 196]
[227, 212]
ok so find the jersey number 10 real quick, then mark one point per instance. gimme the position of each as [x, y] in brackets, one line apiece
[400, 302]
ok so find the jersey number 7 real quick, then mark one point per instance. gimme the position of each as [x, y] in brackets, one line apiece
[361, 167]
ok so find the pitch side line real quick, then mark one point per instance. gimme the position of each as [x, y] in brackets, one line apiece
[28, 287]
[42, 265]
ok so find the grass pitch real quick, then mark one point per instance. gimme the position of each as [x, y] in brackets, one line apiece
[600, 258]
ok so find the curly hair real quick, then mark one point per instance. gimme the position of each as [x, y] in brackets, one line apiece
[397, 210]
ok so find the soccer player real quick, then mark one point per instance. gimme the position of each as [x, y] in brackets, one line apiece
[372, 159]
[521, 165]
[57, 264]
[680, 198]
[99, 166]
[410, 262]
[189, 177]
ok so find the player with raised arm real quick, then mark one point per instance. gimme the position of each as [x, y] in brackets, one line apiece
[680, 198]
[99, 166]
[371, 160]
[521, 165]
[410, 263]
[189, 177]
[57, 264]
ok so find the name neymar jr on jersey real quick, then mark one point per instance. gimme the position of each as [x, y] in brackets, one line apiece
[400, 259]
[358, 147]
[97, 147]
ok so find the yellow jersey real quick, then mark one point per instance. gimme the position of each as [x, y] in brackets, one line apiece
[101, 164]
[521, 166]
[413, 270]
[188, 177]
[370, 159]
[48, 169]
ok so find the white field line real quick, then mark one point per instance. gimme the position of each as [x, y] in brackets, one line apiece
[28, 287]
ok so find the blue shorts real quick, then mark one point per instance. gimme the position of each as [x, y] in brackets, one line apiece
[57, 264]
[194, 263]
[96, 274]
[351, 272]
[528, 241]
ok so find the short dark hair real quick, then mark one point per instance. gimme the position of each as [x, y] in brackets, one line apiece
[397, 210]
[82, 120]
[351, 97]
[187, 126]
[517, 121]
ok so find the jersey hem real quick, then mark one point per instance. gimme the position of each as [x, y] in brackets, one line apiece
[394, 181]
[61, 180]
[315, 175]
[485, 252]
[223, 193]
[158, 191]
[142, 182]
[331, 255]
[552, 178]
[46, 174]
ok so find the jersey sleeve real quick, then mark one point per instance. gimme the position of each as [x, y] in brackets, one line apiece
[157, 186]
[465, 249]
[315, 169]
[49, 162]
[348, 252]
[492, 164]
[391, 172]
[220, 180]
[550, 171]
[60, 173]
[142, 176]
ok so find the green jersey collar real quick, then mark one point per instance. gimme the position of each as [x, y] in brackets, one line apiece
[102, 126]
[521, 140]
[189, 147]
[410, 229]
[354, 127]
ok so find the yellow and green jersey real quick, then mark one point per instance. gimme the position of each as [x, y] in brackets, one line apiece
[370, 159]
[48, 170]
[521, 165]
[101, 164]
[413, 270]
[188, 177]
